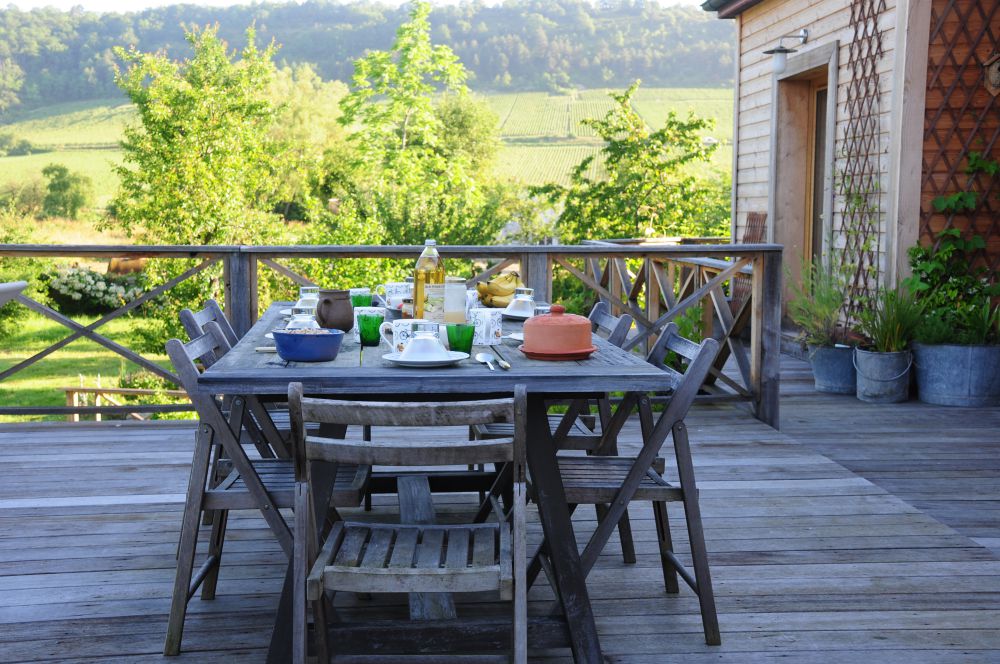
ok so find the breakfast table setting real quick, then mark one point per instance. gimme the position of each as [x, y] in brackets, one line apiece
[356, 344]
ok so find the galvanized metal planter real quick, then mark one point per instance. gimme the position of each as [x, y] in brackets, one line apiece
[953, 375]
[833, 369]
[883, 377]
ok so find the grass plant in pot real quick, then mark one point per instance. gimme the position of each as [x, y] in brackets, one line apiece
[816, 307]
[888, 323]
[957, 349]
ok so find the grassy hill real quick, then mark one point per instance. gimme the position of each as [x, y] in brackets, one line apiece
[542, 135]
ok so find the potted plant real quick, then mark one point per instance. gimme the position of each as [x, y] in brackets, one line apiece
[888, 323]
[957, 349]
[816, 307]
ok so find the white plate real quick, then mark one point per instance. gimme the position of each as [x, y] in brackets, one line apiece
[516, 336]
[453, 357]
[285, 312]
[517, 316]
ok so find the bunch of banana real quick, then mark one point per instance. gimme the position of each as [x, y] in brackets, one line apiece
[500, 289]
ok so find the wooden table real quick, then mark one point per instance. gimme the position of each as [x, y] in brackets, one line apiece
[245, 371]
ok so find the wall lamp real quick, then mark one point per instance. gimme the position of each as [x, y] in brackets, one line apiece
[780, 52]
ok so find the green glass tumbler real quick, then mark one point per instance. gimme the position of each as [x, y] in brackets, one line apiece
[368, 328]
[361, 300]
[460, 336]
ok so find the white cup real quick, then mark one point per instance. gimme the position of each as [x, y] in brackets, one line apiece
[489, 325]
[399, 332]
[394, 292]
[424, 345]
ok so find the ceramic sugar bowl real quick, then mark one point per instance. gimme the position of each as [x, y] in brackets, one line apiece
[557, 336]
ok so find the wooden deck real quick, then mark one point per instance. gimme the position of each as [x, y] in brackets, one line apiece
[812, 561]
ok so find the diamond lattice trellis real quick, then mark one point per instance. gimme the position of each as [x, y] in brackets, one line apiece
[961, 116]
[860, 181]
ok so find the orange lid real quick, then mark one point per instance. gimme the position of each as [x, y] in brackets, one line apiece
[557, 332]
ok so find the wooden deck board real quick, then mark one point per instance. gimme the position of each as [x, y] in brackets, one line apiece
[812, 562]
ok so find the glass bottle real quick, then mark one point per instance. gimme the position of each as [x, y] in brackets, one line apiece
[428, 271]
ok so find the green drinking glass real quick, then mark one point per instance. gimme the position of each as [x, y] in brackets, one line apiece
[460, 336]
[368, 328]
[361, 300]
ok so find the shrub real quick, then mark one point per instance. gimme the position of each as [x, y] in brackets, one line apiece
[14, 229]
[78, 290]
[24, 197]
[66, 192]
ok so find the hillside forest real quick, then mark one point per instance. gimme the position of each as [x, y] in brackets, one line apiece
[49, 56]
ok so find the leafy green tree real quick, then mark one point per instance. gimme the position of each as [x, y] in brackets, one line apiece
[419, 170]
[470, 129]
[200, 166]
[392, 94]
[66, 192]
[648, 188]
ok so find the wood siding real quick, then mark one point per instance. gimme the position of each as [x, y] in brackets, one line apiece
[760, 28]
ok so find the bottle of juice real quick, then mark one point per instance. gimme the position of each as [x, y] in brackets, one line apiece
[429, 271]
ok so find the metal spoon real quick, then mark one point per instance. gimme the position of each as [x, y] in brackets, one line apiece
[487, 359]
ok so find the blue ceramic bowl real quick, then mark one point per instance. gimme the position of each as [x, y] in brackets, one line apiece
[320, 347]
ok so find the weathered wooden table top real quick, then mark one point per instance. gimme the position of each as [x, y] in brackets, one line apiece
[359, 370]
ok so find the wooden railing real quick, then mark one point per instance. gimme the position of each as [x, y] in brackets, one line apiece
[655, 283]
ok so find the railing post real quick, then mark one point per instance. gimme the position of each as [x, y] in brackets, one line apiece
[537, 269]
[765, 336]
[240, 275]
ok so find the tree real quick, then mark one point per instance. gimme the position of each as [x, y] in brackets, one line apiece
[392, 93]
[648, 188]
[66, 192]
[200, 167]
[470, 130]
[420, 170]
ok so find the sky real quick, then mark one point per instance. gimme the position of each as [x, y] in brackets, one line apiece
[137, 5]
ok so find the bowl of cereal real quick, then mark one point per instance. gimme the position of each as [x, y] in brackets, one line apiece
[308, 345]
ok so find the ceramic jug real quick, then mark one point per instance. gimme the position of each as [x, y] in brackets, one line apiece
[334, 311]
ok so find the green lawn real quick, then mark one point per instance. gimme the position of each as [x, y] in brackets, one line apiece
[75, 123]
[95, 164]
[80, 362]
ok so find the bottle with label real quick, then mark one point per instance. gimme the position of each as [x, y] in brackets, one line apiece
[429, 271]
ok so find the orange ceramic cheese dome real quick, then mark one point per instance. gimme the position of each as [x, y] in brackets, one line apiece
[557, 333]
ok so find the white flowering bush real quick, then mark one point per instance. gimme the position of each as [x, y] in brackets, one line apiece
[81, 290]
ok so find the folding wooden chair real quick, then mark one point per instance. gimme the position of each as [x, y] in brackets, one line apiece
[614, 481]
[266, 483]
[416, 556]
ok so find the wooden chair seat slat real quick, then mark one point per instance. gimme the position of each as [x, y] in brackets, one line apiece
[585, 425]
[278, 476]
[422, 559]
[597, 479]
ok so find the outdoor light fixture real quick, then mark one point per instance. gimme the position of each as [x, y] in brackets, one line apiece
[780, 52]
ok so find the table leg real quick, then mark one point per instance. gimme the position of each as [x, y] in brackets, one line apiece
[558, 529]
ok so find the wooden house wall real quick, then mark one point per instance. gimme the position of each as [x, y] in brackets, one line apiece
[960, 117]
[759, 29]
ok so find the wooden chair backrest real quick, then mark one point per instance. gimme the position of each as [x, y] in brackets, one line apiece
[184, 355]
[753, 233]
[195, 323]
[425, 451]
[670, 341]
[756, 228]
[614, 328]
[700, 358]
